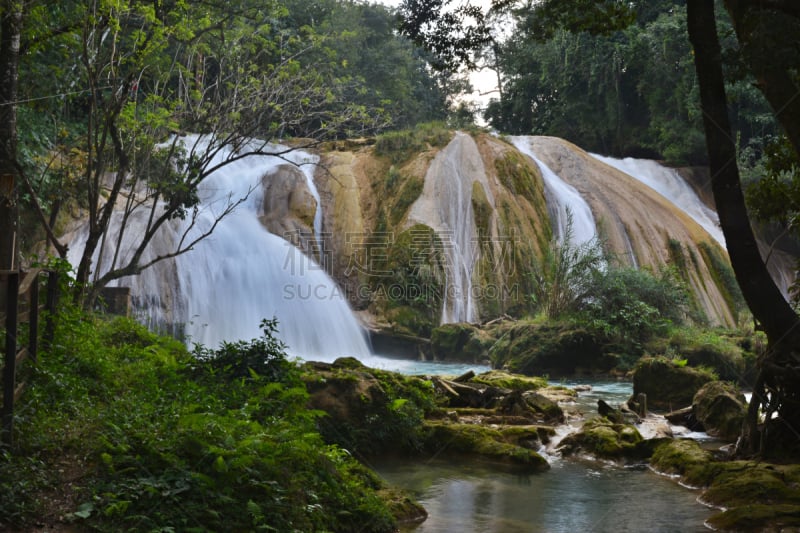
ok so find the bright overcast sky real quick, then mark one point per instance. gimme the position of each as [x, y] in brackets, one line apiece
[484, 81]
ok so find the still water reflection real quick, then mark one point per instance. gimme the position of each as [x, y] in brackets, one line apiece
[571, 496]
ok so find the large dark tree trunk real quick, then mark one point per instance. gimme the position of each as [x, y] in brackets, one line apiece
[778, 382]
[10, 26]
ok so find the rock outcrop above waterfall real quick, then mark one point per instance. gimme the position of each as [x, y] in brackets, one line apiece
[288, 206]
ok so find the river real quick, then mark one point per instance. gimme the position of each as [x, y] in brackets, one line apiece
[574, 495]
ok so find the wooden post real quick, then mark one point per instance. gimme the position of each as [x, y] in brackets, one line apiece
[9, 371]
[641, 399]
[50, 307]
[33, 322]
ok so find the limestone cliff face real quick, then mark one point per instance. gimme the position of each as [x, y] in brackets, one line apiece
[641, 227]
[449, 233]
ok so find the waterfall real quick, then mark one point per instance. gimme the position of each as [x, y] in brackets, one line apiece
[445, 205]
[241, 273]
[562, 198]
[671, 185]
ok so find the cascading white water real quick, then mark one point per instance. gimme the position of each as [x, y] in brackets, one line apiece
[155, 292]
[308, 164]
[671, 185]
[241, 274]
[562, 198]
[446, 206]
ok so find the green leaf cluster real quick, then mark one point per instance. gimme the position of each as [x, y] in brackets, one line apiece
[157, 439]
[615, 83]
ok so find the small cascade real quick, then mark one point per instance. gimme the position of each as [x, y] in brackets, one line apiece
[562, 199]
[308, 164]
[241, 274]
[671, 185]
[446, 206]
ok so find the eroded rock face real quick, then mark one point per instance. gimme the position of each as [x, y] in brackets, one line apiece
[289, 206]
[484, 201]
[642, 227]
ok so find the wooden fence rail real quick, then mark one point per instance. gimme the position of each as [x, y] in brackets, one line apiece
[20, 310]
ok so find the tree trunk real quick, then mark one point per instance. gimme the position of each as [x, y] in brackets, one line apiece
[10, 26]
[778, 382]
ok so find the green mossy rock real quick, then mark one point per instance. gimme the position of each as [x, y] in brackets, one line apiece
[449, 342]
[758, 517]
[368, 411]
[757, 496]
[602, 438]
[546, 407]
[682, 457]
[718, 350]
[668, 386]
[485, 444]
[506, 380]
[403, 506]
[535, 349]
[409, 321]
[721, 408]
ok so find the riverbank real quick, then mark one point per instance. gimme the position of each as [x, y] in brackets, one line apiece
[121, 427]
[611, 474]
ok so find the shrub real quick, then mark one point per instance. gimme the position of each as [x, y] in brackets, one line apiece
[165, 441]
[562, 280]
[632, 306]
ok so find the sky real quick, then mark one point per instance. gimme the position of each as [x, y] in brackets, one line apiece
[483, 81]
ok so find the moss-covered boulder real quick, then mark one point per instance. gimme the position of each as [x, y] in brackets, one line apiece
[544, 406]
[507, 380]
[668, 384]
[682, 457]
[758, 517]
[368, 411]
[755, 496]
[484, 444]
[404, 508]
[721, 408]
[533, 349]
[718, 350]
[459, 342]
[605, 439]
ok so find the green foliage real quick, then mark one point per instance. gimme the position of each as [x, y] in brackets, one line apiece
[562, 280]
[612, 84]
[400, 145]
[452, 34]
[161, 440]
[264, 357]
[632, 305]
[376, 411]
